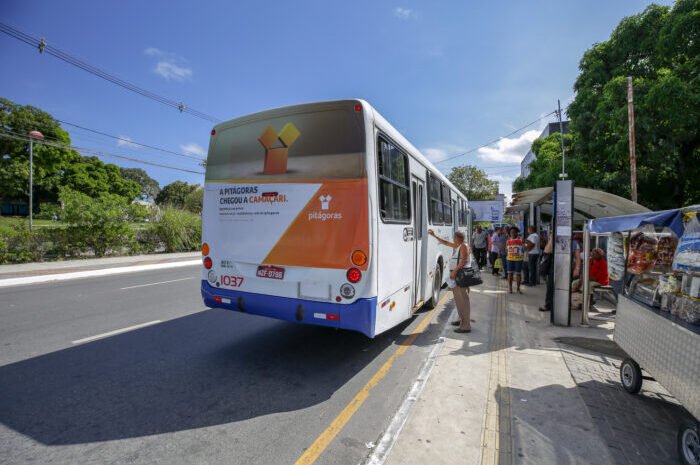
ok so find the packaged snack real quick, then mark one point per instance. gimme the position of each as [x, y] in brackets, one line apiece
[687, 256]
[616, 257]
[642, 253]
[693, 312]
[664, 253]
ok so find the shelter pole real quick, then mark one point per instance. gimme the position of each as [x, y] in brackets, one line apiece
[585, 276]
[561, 137]
[633, 155]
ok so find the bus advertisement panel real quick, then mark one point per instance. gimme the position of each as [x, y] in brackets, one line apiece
[285, 217]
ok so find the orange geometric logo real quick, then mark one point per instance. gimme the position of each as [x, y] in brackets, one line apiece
[276, 157]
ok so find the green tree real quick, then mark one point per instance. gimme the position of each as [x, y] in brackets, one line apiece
[194, 201]
[473, 182]
[660, 49]
[91, 176]
[54, 167]
[49, 162]
[174, 194]
[546, 168]
[149, 186]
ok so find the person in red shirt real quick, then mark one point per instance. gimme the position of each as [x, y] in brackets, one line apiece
[598, 273]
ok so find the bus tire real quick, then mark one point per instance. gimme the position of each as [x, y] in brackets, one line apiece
[435, 292]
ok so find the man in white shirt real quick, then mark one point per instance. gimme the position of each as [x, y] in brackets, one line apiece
[532, 243]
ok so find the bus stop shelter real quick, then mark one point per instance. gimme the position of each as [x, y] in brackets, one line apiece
[583, 205]
[588, 204]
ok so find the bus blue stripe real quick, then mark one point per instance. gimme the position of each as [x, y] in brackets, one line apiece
[358, 316]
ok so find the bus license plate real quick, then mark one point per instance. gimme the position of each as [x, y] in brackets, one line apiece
[272, 272]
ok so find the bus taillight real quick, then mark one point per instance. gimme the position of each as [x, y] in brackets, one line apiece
[358, 107]
[207, 263]
[205, 249]
[358, 258]
[213, 132]
[354, 275]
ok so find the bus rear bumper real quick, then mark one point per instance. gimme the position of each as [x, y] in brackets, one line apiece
[357, 316]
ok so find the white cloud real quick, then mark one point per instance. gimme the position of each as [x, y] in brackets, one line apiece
[404, 13]
[441, 152]
[172, 71]
[193, 149]
[126, 141]
[505, 184]
[154, 52]
[170, 65]
[509, 150]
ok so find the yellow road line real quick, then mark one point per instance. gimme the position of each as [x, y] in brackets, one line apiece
[324, 439]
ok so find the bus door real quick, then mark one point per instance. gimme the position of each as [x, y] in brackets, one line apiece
[420, 240]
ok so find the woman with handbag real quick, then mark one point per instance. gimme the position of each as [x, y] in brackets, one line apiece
[461, 256]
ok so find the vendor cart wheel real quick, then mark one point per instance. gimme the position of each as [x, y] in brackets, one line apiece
[631, 376]
[689, 444]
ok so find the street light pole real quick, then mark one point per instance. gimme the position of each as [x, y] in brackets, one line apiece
[32, 135]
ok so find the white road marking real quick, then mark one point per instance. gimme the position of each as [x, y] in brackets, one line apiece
[94, 273]
[115, 332]
[155, 284]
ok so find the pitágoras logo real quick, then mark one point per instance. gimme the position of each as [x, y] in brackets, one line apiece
[276, 157]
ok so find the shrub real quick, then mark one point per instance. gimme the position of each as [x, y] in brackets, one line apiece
[97, 224]
[19, 244]
[178, 230]
[49, 211]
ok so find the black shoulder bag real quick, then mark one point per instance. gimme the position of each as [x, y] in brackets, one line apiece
[467, 276]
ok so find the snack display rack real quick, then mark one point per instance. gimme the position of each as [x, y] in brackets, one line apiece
[658, 314]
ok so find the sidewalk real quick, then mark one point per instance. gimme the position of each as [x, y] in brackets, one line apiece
[87, 264]
[517, 390]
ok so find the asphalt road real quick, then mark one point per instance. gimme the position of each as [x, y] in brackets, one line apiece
[191, 386]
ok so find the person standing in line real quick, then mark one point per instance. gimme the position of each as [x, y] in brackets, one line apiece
[488, 247]
[502, 240]
[549, 257]
[479, 243]
[494, 250]
[460, 259]
[532, 244]
[514, 259]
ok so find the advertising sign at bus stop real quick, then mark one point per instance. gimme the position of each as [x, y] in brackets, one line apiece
[487, 210]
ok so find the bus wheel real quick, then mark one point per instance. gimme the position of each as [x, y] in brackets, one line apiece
[437, 284]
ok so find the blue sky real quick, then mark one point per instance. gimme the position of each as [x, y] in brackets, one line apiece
[450, 75]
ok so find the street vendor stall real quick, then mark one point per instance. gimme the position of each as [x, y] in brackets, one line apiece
[656, 258]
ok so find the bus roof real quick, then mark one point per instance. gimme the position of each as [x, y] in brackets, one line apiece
[377, 118]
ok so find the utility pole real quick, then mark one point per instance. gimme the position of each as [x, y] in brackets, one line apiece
[633, 155]
[32, 136]
[561, 136]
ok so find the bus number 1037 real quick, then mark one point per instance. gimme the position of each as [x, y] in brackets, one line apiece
[231, 281]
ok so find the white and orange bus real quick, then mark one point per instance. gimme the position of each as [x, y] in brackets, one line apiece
[318, 214]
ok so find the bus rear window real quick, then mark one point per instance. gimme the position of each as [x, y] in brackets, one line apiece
[325, 144]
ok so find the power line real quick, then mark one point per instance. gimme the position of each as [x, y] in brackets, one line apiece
[99, 153]
[496, 140]
[129, 141]
[43, 47]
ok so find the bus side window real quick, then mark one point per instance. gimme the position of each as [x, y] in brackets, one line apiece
[394, 191]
